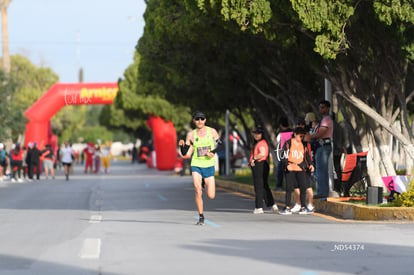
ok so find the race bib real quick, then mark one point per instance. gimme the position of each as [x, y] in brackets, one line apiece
[202, 151]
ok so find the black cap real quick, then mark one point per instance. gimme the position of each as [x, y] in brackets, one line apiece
[299, 130]
[199, 114]
[258, 130]
[300, 121]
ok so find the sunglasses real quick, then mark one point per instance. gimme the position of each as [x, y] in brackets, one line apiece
[199, 118]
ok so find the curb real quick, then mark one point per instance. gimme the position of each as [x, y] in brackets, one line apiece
[334, 207]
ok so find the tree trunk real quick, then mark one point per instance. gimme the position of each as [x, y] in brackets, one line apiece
[5, 36]
[405, 141]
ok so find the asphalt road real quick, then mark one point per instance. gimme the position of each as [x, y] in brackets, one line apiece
[142, 221]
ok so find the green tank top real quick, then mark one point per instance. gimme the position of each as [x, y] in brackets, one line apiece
[201, 147]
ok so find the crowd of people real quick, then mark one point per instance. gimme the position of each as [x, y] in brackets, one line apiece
[20, 163]
[27, 164]
[302, 161]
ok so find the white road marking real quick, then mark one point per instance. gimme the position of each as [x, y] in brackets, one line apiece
[91, 249]
[95, 219]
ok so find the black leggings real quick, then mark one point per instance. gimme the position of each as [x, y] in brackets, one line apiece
[32, 166]
[261, 184]
[296, 179]
[18, 164]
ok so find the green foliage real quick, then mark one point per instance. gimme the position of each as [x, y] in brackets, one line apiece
[12, 119]
[406, 199]
[401, 172]
[93, 114]
[26, 84]
[399, 15]
[32, 81]
[69, 121]
[327, 19]
[190, 56]
[247, 12]
[390, 11]
[137, 100]
[93, 134]
[319, 16]
[124, 137]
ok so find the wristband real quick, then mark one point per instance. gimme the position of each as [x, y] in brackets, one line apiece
[184, 149]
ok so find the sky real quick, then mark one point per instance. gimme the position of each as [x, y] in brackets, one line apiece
[98, 35]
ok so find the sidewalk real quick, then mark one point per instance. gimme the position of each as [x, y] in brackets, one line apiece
[334, 207]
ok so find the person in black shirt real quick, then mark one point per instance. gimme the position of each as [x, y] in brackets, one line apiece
[34, 161]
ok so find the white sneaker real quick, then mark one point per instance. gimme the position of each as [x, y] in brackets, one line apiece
[310, 207]
[304, 211]
[13, 180]
[275, 208]
[258, 211]
[295, 208]
[286, 211]
[19, 180]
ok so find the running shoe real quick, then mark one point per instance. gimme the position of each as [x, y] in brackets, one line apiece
[200, 221]
[304, 211]
[311, 208]
[295, 208]
[286, 211]
[258, 211]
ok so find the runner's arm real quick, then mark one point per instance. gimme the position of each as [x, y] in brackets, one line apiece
[185, 146]
[219, 143]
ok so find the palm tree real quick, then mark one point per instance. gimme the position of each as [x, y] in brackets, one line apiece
[4, 4]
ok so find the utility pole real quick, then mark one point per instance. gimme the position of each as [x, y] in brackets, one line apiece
[4, 4]
[78, 57]
[227, 145]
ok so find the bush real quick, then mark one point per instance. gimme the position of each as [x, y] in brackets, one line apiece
[401, 172]
[407, 198]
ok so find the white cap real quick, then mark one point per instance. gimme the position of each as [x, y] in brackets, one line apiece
[1, 145]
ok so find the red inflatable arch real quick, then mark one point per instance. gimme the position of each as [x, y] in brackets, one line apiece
[165, 142]
[61, 94]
